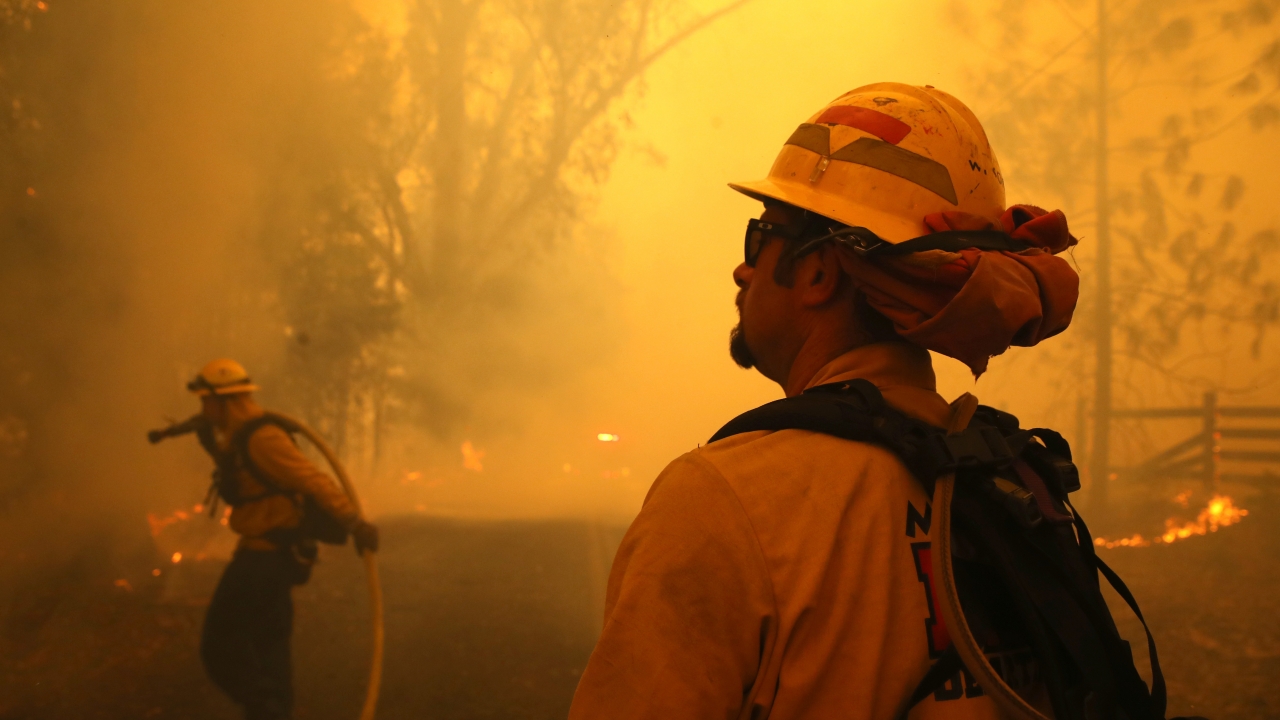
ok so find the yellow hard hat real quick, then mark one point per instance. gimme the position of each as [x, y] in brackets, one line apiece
[222, 377]
[883, 157]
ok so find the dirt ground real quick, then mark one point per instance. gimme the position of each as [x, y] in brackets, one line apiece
[496, 620]
[1211, 602]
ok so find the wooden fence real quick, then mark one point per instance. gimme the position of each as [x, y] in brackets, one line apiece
[1226, 435]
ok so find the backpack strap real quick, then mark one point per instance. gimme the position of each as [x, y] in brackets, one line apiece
[1063, 612]
[316, 523]
[967, 647]
[240, 450]
[855, 410]
[1159, 691]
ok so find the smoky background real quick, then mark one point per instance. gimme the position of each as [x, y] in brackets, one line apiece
[485, 246]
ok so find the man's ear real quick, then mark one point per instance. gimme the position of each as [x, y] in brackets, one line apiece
[819, 277]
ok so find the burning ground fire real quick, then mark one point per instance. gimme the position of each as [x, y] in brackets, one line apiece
[158, 524]
[1219, 513]
[179, 539]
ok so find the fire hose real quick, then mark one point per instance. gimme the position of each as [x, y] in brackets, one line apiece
[197, 424]
[369, 557]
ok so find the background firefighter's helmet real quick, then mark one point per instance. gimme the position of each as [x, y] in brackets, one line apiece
[222, 377]
[883, 157]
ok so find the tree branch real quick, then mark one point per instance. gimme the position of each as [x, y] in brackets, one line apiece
[542, 187]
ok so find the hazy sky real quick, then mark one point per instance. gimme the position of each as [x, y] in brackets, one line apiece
[185, 120]
[716, 110]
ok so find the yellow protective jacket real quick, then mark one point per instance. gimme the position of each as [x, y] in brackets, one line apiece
[275, 454]
[782, 575]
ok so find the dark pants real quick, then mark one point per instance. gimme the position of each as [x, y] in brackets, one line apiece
[245, 644]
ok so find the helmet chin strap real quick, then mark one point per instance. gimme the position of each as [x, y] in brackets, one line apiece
[867, 244]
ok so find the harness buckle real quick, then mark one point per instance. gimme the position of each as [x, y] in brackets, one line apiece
[977, 446]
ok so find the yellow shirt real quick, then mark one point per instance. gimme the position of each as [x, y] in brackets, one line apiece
[781, 575]
[274, 453]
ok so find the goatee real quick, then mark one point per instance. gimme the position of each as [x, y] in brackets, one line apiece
[738, 349]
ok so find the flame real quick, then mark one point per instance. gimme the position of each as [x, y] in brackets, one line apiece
[471, 457]
[1219, 513]
[178, 537]
[1136, 541]
[158, 524]
[607, 437]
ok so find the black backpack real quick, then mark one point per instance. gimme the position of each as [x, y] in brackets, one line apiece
[1022, 570]
[316, 524]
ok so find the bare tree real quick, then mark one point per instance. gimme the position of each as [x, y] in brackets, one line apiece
[1104, 112]
[475, 144]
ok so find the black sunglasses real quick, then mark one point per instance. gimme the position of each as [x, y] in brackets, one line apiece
[859, 239]
[758, 234]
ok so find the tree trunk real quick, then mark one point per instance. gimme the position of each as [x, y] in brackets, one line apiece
[451, 121]
[1100, 470]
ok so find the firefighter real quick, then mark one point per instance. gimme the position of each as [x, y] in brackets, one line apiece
[278, 500]
[786, 574]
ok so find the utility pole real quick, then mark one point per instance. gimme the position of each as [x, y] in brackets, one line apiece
[1099, 464]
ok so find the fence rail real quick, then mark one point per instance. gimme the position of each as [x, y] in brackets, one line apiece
[1201, 455]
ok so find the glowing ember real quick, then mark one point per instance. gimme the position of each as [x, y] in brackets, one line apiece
[155, 573]
[124, 585]
[1219, 513]
[471, 457]
[177, 558]
[607, 437]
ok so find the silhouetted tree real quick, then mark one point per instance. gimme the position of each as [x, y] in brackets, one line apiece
[1170, 77]
[471, 148]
